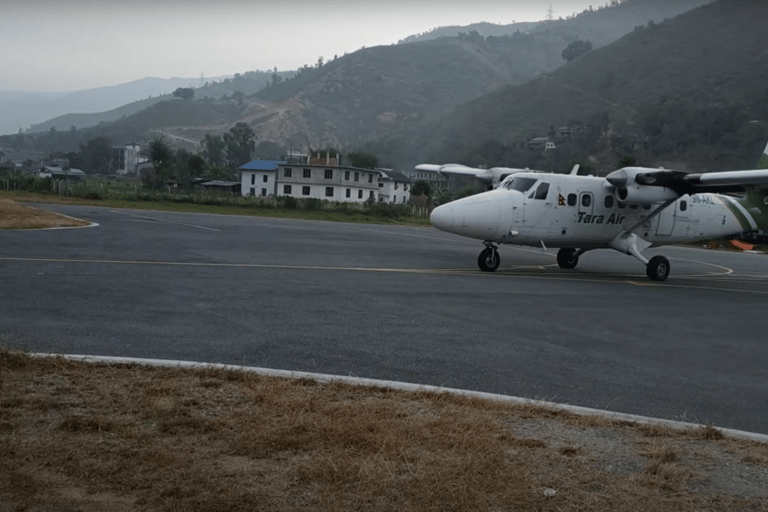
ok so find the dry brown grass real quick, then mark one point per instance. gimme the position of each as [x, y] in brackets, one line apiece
[17, 216]
[80, 436]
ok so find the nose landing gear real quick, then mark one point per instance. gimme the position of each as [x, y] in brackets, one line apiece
[489, 259]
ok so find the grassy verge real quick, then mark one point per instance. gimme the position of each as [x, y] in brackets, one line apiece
[16, 216]
[224, 209]
[79, 436]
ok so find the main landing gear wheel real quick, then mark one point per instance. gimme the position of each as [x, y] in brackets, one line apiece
[489, 259]
[658, 268]
[567, 258]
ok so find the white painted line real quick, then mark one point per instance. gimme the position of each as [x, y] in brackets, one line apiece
[405, 386]
[91, 225]
[164, 220]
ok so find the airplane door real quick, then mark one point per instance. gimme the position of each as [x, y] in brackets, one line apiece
[667, 220]
[586, 203]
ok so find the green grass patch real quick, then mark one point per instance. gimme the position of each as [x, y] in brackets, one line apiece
[196, 203]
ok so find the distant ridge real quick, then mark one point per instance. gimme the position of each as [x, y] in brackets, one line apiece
[247, 83]
[23, 109]
[710, 61]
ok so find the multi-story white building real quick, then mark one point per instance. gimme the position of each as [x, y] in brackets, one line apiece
[433, 178]
[333, 183]
[126, 160]
[310, 181]
[394, 187]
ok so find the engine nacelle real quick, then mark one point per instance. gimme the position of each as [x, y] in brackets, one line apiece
[639, 185]
[645, 194]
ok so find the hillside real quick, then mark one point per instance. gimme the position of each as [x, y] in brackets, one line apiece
[702, 73]
[78, 121]
[601, 25]
[247, 83]
[377, 92]
[24, 109]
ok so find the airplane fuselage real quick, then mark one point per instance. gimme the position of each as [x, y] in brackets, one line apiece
[580, 211]
[630, 210]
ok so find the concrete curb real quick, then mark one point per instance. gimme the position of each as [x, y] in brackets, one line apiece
[405, 386]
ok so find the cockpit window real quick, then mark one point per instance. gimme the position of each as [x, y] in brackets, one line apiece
[542, 191]
[520, 184]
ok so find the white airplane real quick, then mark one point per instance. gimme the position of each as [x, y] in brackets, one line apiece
[629, 210]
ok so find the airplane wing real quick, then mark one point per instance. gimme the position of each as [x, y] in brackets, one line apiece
[635, 178]
[492, 177]
[726, 181]
[451, 169]
[684, 183]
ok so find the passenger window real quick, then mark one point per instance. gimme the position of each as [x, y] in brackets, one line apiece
[571, 199]
[683, 205]
[542, 191]
[586, 200]
[609, 201]
[633, 207]
[622, 205]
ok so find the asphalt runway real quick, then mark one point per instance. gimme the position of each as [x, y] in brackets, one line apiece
[398, 303]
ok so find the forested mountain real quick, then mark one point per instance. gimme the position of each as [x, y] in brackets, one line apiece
[22, 109]
[404, 95]
[691, 89]
[245, 83]
[601, 25]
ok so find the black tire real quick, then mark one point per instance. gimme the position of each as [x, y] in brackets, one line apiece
[658, 268]
[489, 260]
[566, 258]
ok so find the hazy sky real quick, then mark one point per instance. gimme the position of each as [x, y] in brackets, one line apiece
[56, 45]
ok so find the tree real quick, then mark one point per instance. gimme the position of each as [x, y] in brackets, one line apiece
[576, 49]
[238, 96]
[241, 143]
[185, 93]
[362, 159]
[196, 166]
[213, 150]
[187, 166]
[162, 157]
[95, 156]
[420, 187]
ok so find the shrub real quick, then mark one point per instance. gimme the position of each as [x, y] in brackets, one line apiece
[312, 204]
[288, 202]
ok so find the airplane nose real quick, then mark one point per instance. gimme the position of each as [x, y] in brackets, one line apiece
[486, 216]
[443, 217]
